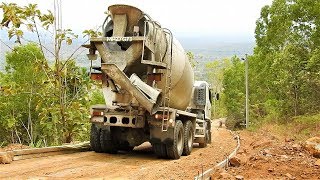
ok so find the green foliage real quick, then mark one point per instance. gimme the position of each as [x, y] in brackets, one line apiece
[65, 35]
[14, 17]
[284, 71]
[21, 83]
[41, 105]
[96, 97]
[234, 90]
[287, 52]
[30, 105]
[91, 33]
[69, 120]
[192, 61]
[215, 74]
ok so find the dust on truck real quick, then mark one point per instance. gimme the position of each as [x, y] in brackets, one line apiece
[149, 89]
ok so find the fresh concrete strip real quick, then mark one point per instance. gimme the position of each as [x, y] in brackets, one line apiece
[207, 174]
[14, 155]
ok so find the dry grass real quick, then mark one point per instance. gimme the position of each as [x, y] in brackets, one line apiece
[298, 128]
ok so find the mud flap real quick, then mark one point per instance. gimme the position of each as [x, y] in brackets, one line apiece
[157, 136]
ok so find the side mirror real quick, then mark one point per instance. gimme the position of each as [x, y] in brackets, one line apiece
[217, 96]
[210, 96]
[213, 96]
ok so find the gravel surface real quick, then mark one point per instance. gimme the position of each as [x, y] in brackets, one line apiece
[138, 164]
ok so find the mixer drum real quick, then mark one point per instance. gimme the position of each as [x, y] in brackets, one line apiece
[182, 79]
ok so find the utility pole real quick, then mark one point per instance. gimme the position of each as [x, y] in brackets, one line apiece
[247, 93]
[247, 90]
[214, 104]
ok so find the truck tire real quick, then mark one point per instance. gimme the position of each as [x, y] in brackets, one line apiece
[202, 145]
[209, 140]
[107, 144]
[174, 150]
[95, 138]
[160, 150]
[125, 146]
[188, 138]
[206, 136]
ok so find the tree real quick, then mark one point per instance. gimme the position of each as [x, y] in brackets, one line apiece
[284, 70]
[22, 82]
[215, 75]
[234, 91]
[192, 61]
[54, 100]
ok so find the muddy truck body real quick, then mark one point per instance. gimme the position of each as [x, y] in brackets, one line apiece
[149, 89]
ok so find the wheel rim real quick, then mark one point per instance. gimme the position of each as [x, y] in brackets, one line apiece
[190, 138]
[180, 141]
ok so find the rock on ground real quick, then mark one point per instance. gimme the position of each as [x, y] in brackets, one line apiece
[235, 161]
[6, 157]
[239, 177]
[312, 145]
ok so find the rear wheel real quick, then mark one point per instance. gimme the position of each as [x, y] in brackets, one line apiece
[188, 138]
[125, 146]
[106, 141]
[95, 138]
[160, 150]
[175, 149]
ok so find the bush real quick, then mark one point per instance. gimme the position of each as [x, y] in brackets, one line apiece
[38, 107]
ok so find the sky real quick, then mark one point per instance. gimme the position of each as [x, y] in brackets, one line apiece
[222, 19]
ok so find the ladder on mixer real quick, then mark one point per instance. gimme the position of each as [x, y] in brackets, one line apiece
[167, 90]
[152, 46]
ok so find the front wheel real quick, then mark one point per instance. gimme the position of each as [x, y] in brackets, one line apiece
[174, 150]
[207, 135]
[209, 140]
[204, 144]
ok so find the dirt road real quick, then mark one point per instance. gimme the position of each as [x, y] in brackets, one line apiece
[138, 164]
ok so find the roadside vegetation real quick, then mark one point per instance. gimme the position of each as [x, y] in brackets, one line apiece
[42, 103]
[284, 71]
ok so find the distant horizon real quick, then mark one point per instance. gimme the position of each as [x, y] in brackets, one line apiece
[204, 49]
[215, 38]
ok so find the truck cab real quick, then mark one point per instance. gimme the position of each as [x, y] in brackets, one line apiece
[200, 104]
[201, 99]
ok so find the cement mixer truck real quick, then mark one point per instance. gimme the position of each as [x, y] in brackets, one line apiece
[148, 86]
